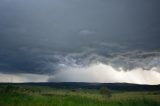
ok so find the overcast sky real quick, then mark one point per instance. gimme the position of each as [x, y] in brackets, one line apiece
[48, 37]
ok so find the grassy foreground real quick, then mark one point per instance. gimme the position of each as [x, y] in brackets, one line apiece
[44, 96]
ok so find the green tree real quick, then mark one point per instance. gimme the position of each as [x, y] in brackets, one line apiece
[104, 91]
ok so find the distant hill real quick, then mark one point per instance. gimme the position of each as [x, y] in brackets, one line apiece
[112, 86]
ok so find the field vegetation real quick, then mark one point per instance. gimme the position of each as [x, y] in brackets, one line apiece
[13, 95]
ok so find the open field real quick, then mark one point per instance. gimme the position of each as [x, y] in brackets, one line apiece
[24, 95]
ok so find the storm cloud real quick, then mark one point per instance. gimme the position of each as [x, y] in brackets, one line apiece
[41, 37]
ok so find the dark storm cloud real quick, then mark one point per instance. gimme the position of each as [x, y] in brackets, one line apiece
[118, 59]
[37, 35]
[25, 61]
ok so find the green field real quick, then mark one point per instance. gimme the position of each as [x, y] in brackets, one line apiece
[44, 96]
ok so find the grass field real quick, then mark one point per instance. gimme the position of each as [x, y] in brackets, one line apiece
[44, 96]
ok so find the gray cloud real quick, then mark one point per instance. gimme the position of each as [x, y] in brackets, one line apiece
[38, 36]
[126, 60]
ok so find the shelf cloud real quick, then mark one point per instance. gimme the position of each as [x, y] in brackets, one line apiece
[80, 40]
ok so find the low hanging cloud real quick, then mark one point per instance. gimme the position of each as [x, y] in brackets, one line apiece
[140, 67]
[97, 64]
[145, 60]
[97, 72]
[103, 73]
